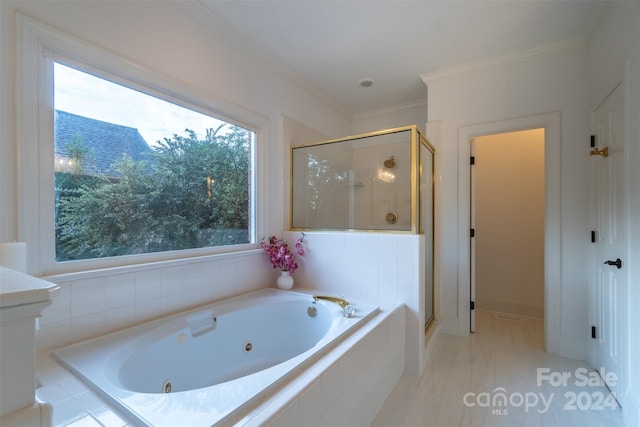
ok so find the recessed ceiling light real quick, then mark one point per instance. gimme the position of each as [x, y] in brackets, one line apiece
[366, 82]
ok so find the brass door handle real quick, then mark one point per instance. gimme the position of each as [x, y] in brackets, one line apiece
[596, 152]
[617, 263]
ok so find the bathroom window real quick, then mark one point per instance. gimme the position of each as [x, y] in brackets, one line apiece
[137, 174]
[122, 164]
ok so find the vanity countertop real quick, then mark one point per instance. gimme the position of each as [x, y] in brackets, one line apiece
[18, 288]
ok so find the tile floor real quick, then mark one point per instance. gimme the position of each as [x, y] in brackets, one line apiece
[74, 404]
[466, 377]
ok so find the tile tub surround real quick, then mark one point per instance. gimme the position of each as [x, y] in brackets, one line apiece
[95, 303]
[347, 386]
[374, 268]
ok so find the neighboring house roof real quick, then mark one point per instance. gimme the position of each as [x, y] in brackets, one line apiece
[105, 142]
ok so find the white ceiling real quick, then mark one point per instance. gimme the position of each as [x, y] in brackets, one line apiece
[335, 44]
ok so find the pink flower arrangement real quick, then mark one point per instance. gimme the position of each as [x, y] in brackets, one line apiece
[280, 256]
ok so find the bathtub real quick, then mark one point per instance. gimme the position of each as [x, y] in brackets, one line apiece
[210, 365]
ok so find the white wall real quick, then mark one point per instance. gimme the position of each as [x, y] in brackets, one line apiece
[614, 51]
[414, 113]
[509, 222]
[508, 89]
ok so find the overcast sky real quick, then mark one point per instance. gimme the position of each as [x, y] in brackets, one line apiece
[85, 95]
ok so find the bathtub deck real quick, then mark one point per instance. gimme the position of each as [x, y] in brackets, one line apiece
[76, 404]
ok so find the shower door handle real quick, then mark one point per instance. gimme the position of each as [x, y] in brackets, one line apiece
[617, 263]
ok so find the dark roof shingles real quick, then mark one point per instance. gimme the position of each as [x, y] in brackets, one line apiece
[106, 142]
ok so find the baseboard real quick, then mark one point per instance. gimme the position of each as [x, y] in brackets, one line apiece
[431, 336]
[509, 307]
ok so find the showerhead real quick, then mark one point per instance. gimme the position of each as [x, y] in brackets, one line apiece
[390, 163]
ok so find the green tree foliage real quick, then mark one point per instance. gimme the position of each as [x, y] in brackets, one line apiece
[190, 193]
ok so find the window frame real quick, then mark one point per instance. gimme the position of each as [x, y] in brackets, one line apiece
[39, 47]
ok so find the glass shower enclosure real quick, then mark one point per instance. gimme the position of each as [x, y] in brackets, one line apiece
[375, 182]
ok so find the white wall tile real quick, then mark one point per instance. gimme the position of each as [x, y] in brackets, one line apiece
[408, 277]
[407, 251]
[369, 246]
[120, 290]
[148, 310]
[53, 335]
[60, 308]
[84, 327]
[318, 397]
[171, 304]
[353, 253]
[149, 284]
[192, 299]
[183, 278]
[388, 252]
[120, 317]
[347, 394]
[388, 283]
[88, 296]
[369, 284]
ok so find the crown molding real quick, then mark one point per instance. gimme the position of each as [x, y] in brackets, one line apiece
[526, 55]
[392, 108]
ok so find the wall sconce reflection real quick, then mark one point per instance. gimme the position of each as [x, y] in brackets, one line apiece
[386, 175]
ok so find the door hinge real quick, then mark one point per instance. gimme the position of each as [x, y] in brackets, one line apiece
[472, 306]
[593, 141]
[473, 160]
[593, 236]
[472, 232]
[593, 332]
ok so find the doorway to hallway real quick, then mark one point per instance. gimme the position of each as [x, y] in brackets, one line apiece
[507, 216]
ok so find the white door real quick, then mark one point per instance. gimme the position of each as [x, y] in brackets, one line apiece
[609, 257]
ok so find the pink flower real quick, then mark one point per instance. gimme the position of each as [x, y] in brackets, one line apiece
[279, 254]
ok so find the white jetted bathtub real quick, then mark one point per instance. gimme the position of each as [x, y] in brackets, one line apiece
[205, 366]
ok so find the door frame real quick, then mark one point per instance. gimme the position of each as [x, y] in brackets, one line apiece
[473, 212]
[552, 253]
